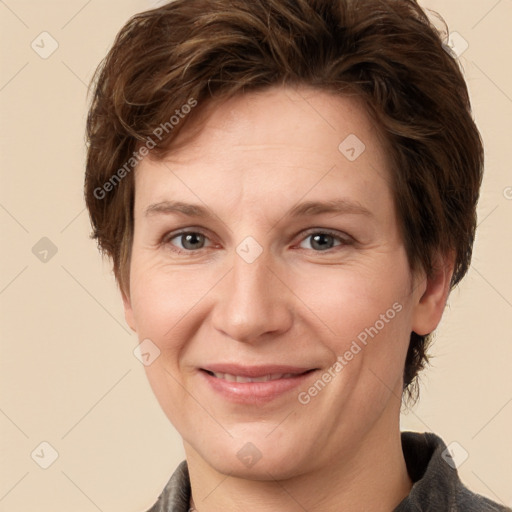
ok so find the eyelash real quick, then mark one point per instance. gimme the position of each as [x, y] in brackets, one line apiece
[344, 240]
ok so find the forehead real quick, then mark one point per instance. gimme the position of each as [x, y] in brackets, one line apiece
[301, 119]
[278, 140]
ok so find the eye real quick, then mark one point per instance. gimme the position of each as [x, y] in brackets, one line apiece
[323, 241]
[187, 241]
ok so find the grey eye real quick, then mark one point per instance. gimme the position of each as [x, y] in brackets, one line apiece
[189, 241]
[320, 241]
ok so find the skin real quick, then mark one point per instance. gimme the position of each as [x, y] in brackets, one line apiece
[255, 158]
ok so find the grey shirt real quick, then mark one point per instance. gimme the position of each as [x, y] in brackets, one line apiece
[436, 484]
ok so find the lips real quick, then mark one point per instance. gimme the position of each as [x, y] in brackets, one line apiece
[256, 371]
[240, 378]
[253, 384]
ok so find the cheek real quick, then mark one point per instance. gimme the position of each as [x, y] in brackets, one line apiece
[163, 299]
[164, 303]
[357, 303]
[363, 317]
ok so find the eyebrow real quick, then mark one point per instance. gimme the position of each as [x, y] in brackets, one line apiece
[170, 207]
[336, 206]
[305, 209]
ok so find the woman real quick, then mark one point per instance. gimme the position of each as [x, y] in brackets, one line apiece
[287, 190]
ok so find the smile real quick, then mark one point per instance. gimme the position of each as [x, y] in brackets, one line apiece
[253, 385]
[264, 378]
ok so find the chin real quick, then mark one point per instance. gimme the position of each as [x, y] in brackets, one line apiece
[253, 457]
[267, 468]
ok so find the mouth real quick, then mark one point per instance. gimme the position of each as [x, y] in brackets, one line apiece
[254, 384]
[264, 378]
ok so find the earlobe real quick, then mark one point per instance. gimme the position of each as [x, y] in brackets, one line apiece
[432, 296]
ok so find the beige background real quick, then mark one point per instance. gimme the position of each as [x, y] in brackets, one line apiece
[68, 375]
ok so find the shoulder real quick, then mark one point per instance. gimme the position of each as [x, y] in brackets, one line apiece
[436, 483]
[471, 502]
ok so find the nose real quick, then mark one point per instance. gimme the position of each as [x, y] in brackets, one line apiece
[252, 303]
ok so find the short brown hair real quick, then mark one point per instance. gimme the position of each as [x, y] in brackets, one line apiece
[387, 52]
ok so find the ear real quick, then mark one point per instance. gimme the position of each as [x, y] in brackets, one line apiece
[431, 294]
[128, 311]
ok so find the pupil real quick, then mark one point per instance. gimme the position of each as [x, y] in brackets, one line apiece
[322, 241]
[190, 240]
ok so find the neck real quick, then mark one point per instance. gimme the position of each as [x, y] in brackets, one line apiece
[369, 476]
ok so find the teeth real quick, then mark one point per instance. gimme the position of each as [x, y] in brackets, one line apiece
[263, 378]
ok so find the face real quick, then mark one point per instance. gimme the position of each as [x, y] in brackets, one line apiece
[268, 269]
